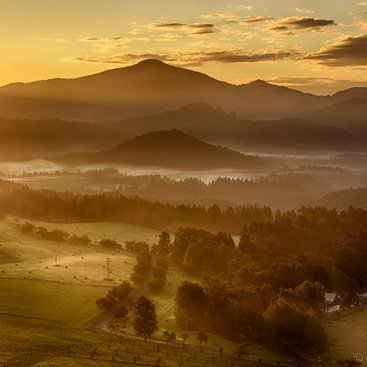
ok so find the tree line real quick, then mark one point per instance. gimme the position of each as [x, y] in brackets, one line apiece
[51, 206]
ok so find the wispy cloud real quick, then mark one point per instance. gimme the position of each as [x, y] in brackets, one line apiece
[56, 40]
[182, 25]
[166, 25]
[307, 23]
[304, 11]
[287, 26]
[281, 30]
[245, 7]
[364, 3]
[103, 39]
[194, 29]
[249, 20]
[193, 58]
[348, 51]
[223, 15]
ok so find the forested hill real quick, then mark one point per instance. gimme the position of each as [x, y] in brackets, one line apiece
[171, 149]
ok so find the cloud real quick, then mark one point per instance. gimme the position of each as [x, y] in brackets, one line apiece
[104, 39]
[193, 58]
[349, 51]
[245, 7]
[166, 25]
[57, 40]
[301, 80]
[318, 85]
[249, 20]
[181, 25]
[124, 59]
[224, 15]
[240, 56]
[196, 29]
[287, 25]
[307, 11]
[200, 25]
[200, 32]
[364, 3]
[306, 23]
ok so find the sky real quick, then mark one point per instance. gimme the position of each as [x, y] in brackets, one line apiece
[314, 46]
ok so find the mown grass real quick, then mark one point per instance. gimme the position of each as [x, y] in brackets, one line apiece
[348, 336]
[36, 315]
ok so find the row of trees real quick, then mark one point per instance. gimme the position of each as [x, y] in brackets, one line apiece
[66, 207]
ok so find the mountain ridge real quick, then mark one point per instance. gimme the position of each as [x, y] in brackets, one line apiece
[150, 86]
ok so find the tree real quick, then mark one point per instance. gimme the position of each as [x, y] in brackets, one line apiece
[184, 338]
[190, 305]
[27, 228]
[145, 321]
[164, 244]
[171, 336]
[202, 337]
[240, 350]
[116, 300]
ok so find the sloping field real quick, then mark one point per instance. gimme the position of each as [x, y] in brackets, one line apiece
[29, 256]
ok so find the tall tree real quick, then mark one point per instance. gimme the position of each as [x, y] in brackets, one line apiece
[164, 244]
[145, 321]
[190, 305]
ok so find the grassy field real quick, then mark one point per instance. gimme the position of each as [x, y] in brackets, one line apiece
[37, 315]
[348, 337]
[120, 232]
[34, 258]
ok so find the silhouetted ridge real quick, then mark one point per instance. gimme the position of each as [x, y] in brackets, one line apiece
[173, 149]
[146, 88]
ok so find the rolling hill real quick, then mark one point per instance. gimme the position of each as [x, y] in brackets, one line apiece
[171, 149]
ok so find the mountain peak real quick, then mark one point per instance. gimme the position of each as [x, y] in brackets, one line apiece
[151, 63]
[259, 82]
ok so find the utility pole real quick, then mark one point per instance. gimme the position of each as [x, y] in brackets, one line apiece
[108, 268]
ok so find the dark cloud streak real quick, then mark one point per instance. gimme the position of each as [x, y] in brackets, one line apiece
[349, 51]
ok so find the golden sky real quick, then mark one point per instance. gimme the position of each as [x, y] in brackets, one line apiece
[314, 46]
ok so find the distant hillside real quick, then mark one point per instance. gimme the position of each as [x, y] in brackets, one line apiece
[351, 93]
[199, 119]
[173, 149]
[216, 126]
[350, 115]
[27, 139]
[297, 135]
[148, 87]
[342, 200]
